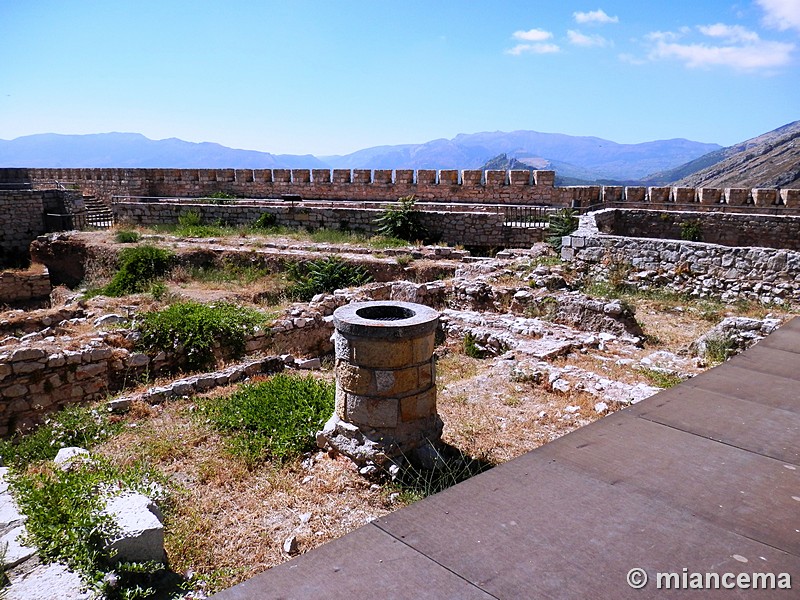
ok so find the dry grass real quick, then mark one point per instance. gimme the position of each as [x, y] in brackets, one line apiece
[227, 523]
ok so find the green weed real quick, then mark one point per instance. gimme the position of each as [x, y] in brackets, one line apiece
[274, 419]
[402, 221]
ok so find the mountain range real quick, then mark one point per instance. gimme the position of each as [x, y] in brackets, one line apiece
[772, 159]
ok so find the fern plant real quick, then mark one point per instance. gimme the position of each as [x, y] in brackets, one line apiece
[324, 275]
[402, 221]
[561, 223]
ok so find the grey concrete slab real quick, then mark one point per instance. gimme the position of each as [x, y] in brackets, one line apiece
[535, 528]
[365, 563]
[741, 423]
[747, 493]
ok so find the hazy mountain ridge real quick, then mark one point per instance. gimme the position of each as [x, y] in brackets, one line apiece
[584, 158]
[133, 150]
[589, 158]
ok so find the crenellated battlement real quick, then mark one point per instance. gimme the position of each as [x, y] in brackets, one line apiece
[429, 185]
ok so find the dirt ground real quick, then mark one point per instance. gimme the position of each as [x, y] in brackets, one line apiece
[226, 522]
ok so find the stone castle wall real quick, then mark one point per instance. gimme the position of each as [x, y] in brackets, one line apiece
[727, 229]
[21, 220]
[485, 229]
[698, 268]
[446, 185]
[18, 286]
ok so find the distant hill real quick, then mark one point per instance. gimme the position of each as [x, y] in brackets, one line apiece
[585, 158]
[575, 159]
[133, 150]
[503, 162]
[769, 160]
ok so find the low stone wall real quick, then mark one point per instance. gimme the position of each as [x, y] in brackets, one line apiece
[24, 286]
[727, 229]
[484, 229]
[701, 269]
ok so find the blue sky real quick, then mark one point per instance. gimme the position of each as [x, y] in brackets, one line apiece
[330, 77]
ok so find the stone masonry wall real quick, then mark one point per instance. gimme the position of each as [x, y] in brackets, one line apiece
[484, 229]
[21, 221]
[475, 186]
[727, 229]
[698, 268]
[24, 286]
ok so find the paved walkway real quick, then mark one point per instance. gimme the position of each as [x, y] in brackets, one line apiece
[703, 477]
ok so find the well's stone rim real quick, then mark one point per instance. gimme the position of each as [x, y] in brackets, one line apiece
[348, 322]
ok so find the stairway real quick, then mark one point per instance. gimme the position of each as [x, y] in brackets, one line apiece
[98, 213]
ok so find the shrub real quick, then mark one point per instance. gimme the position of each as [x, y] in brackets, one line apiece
[277, 418]
[402, 221]
[692, 231]
[561, 223]
[194, 328]
[323, 276]
[138, 268]
[126, 236]
[265, 221]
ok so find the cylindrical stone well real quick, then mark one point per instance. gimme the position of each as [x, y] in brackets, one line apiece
[385, 380]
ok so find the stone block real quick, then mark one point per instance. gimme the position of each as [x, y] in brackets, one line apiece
[709, 195]
[765, 197]
[372, 412]
[736, 196]
[448, 177]
[90, 370]
[395, 383]
[387, 354]
[518, 177]
[341, 176]
[353, 378]
[495, 178]
[141, 536]
[791, 198]
[473, 177]
[422, 349]
[544, 178]
[418, 406]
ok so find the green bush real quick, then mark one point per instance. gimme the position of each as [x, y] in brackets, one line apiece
[402, 221]
[194, 328]
[80, 426]
[277, 418]
[265, 221]
[560, 224]
[324, 276]
[138, 268]
[692, 231]
[126, 236]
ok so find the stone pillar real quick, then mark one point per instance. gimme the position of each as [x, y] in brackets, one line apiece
[385, 382]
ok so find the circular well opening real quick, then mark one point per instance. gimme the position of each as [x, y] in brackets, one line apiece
[385, 313]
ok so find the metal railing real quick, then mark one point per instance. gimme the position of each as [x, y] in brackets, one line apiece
[527, 216]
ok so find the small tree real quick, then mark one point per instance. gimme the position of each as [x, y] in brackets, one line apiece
[402, 221]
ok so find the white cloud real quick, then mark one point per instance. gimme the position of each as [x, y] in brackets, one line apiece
[532, 35]
[730, 46]
[594, 16]
[587, 41]
[781, 14]
[744, 58]
[729, 33]
[533, 49]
